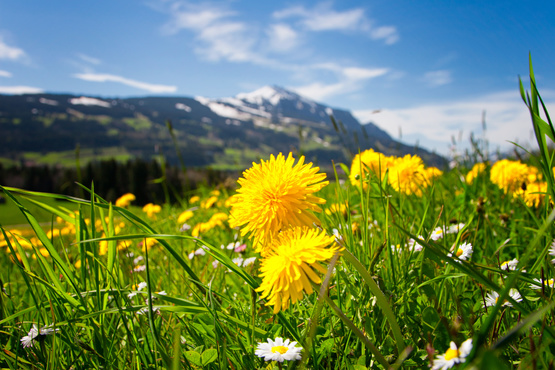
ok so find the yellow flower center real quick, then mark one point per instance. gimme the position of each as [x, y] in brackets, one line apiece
[459, 252]
[280, 349]
[449, 355]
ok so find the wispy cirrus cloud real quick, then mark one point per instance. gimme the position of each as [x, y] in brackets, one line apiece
[220, 35]
[5, 73]
[348, 79]
[324, 18]
[88, 59]
[103, 77]
[438, 78]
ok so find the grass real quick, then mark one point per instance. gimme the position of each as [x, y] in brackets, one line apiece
[126, 290]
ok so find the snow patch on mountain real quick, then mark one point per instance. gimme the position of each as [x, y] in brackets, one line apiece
[182, 106]
[84, 100]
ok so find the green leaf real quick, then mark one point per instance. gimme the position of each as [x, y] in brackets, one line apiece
[430, 317]
[193, 357]
[208, 356]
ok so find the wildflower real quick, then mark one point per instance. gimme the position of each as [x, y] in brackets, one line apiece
[125, 200]
[493, 297]
[406, 174]
[185, 227]
[215, 264]
[369, 160]
[208, 202]
[194, 199]
[511, 175]
[199, 252]
[139, 268]
[463, 252]
[184, 216]
[509, 265]
[454, 355]
[151, 210]
[552, 251]
[396, 248]
[29, 339]
[289, 265]
[534, 194]
[454, 229]
[413, 245]
[248, 261]
[278, 350]
[549, 283]
[275, 195]
[240, 248]
[140, 287]
[437, 233]
[476, 170]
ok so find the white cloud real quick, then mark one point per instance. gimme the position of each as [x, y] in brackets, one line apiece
[17, 90]
[99, 77]
[5, 73]
[438, 78]
[217, 36]
[507, 119]
[89, 59]
[282, 38]
[387, 33]
[349, 79]
[323, 18]
[10, 52]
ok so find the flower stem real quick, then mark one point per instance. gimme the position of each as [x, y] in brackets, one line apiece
[381, 300]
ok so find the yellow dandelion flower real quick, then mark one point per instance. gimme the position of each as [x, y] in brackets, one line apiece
[184, 216]
[340, 208]
[408, 175]
[476, 170]
[369, 160]
[151, 210]
[292, 262]
[534, 194]
[208, 202]
[125, 200]
[275, 195]
[194, 199]
[509, 175]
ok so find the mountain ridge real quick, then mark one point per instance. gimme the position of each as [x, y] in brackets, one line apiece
[222, 132]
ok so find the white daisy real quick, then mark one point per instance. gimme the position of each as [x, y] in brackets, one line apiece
[414, 246]
[549, 283]
[249, 261]
[453, 229]
[437, 233]
[463, 252]
[454, 355]
[509, 265]
[493, 297]
[552, 251]
[199, 252]
[278, 350]
[29, 339]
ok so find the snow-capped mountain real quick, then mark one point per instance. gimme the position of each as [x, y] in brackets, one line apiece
[226, 132]
[279, 105]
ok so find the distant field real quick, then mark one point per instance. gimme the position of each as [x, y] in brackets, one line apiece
[67, 158]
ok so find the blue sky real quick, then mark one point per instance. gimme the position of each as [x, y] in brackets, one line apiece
[425, 70]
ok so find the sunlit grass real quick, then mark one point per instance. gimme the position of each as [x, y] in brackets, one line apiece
[447, 269]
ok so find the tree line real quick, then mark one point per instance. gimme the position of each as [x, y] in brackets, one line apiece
[150, 181]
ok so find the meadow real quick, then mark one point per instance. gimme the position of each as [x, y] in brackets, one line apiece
[388, 264]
